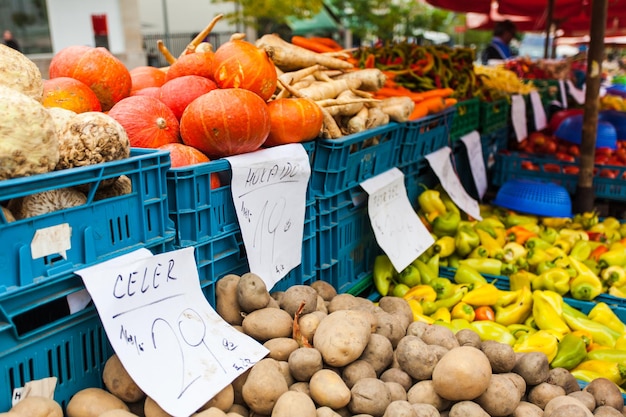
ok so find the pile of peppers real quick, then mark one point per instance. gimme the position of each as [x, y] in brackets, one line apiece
[422, 68]
[546, 261]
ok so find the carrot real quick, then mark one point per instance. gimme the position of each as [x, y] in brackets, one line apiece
[436, 92]
[330, 42]
[288, 56]
[428, 106]
[418, 112]
[311, 44]
[449, 102]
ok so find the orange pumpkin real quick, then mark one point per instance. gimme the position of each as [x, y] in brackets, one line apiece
[145, 76]
[69, 94]
[293, 120]
[226, 122]
[179, 92]
[106, 75]
[148, 122]
[154, 92]
[182, 155]
[196, 63]
[240, 64]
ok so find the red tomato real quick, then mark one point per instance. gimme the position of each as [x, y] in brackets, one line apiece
[609, 173]
[556, 168]
[562, 156]
[571, 169]
[484, 313]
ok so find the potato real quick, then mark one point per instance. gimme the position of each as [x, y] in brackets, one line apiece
[463, 373]
[268, 323]
[441, 336]
[426, 410]
[91, 402]
[252, 292]
[500, 355]
[526, 409]
[223, 400]
[400, 409]
[519, 382]
[396, 390]
[238, 386]
[468, 337]
[369, 396]
[301, 387]
[563, 378]
[342, 336]
[415, 358]
[399, 376]
[500, 398]
[309, 322]
[564, 400]
[417, 328]
[397, 306]
[281, 347]
[439, 351]
[423, 392]
[34, 406]
[390, 326]
[321, 305]
[378, 352]
[607, 411]
[343, 301]
[328, 389]
[356, 370]
[263, 386]
[541, 394]
[295, 296]
[119, 383]
[606, 393]
[226, 303]
[117, 413]
[324, 289]
[284, 369]
[533, 367]
[210, 412]
[239, 410]
[304, 362]
[327, 412]
[293, 403]
[584, 397]
[152, 409]
[568, 410]
[467, 409]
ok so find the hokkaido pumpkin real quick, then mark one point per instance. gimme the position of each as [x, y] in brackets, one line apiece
[148, 122]
[70, 94]
[179, 92]
[196, 63]
[226, 122]
[293, 120]
[106, 75]
[145, 76]
[240, 64]
[182, 155]
[154, 92]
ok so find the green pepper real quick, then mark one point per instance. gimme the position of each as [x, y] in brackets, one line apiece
[612, 355]
[426, 273]
[410, 276]
[466, 239]
[465, 274]
[443, 287]
[538, 243]
[548, 234]
[429, 307]
[519, 330]
[446, 224]
[453, 260]
[571, 351]
[600, 333]
[487, 266]
[383, 273]
[490, 330]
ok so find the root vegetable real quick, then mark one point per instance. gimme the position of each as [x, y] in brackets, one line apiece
[519, 382]
[440, 335]
[290, 78]
[533, 367]
[264, 385]
[357, 123]
[281, 347]
[293, 403]
[415, 358]
[119, 383]
[397, 375]
[339, 348]
[267, 323]
[378, 352]
[423, 392]
[389, 326]
[20, 73]
[568, 410]
[426, 410]
[376, 117]
[295, 295]
[356, 371]
[327, 412]
[500, 355]
[462, 374]
[309, 323]
[323, 90]
[289, 57]
[562, 401]
[398, 307]
[118, 413]
[46, 202]
[371, 79]
[467, 337]
[121, 186]
[606, 393]
[34, 406]
[467, 409]
[252, 293]
[330, 129]
[607, 411]
[417, 328]
[400, 409]
[226, 301]
[526, 409]
[92, 402]
[324, 289]
[28, 140]
[585, 398]
[197, 40]
[541, 394]
[500, 398]
[399, 109]
[304, 362]
[328, 389]
[8, 216]
[396, 390]
[369, 396]
[223, 400]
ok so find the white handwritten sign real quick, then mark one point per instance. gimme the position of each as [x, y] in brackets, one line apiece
[476, 160]
[442, 166]
[539, 112]
[269, 194]
[518, 117]
[398, 229]
[176, 348]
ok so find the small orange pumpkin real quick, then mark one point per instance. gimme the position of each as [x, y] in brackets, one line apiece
[145, 76]
[196, 63]
[180, 91]
[182, 155]
[154, 92]
[148, 122]
[106, 75]
[240, 64]
[70, 94]
[293, 120]
[226, 122]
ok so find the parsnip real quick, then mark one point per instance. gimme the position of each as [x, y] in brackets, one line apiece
[346, 104]
[328, 89]
[372, 79]
[376, 117]
[399, 108]
[357, 123]
[290, 57]
[198, 40]
[331, 128]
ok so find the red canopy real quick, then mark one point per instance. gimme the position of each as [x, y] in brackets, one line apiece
[463, 6]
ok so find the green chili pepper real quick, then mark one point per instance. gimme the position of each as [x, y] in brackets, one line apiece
[466, 239]
[487, 266]
[446, 224]
[443, 287]
[410, 276]
[426, 274]
[571, 351]
[383, 273]
[466, 274]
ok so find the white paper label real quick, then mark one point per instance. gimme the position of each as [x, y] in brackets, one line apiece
[397, 227]
[518, 116]
[177, 349]
[563, 93]
[476, 160]
[539, 112]
[577, 94]
[442, 166]
[51, 241]
[269, 194]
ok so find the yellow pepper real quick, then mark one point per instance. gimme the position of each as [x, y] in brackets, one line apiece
[442, 314]
[490, 243]
[520, 330]
[463, 311]
[421, 293]
[445, 246]
[517, 310]
[460, 324]
[619, 292]
[602, 313]
[547, 311]
[601, 333]
[430, 202]
[614, 275]
[418, 314]
[613, 371]
[539, 341]
[620, 343]
[513, 251]
[490, 330]
[520, 279]
[482, 295]
[586, 285]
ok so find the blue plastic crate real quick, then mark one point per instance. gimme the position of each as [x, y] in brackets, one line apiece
[200, 212]
[100, 230]
[424, 136]
[343, 163]
[346, 242]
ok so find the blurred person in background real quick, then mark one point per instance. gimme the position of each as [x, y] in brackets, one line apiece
[10, 41]
[498, 48]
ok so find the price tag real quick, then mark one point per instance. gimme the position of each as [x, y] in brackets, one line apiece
[539, 112]
[269, 194]
[176, 348]
[563, 93]
[518, 116]
[397, 227]
[51, 240]
[577, 94]
[476, 160]
[442, 166]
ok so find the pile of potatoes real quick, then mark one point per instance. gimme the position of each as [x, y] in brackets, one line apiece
[337, 355]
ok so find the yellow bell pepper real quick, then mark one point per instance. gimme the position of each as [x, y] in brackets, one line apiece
[601, 333]
[460, 324]
[513, 251]
[483, 295]
[614, 275]
[586, 285]
[517, 310]
[613, 371]
[418, 314]
[520, 279]
[620, 343]
[539, 341]
[442, 314]
[463, 311]
[602, 313]
[547, 311]
[421, 293]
